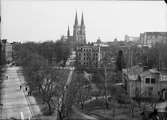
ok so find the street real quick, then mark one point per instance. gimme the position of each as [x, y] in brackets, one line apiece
[15, 104]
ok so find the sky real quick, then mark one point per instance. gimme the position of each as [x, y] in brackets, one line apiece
[41, 20]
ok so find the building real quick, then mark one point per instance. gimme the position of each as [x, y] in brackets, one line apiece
[150, 83]
[79, 35]
[163, 84]
[146, 84]
[7, 51]
[0, 37]
[133, 80]
[131, 38]
[71, 60]
[100, 43]
[0, 53]
[151, 38]
[88, 56]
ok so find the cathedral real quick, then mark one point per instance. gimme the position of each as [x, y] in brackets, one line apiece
[79, 37]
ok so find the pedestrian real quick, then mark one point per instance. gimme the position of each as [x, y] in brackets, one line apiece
[26, 88]
[144, 116]
[30, 93]
[20, 87]
[153, 115]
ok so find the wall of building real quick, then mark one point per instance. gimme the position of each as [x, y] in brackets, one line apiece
[150, 85]
[0, 37]
[7, 52]
[151, 38]
[87, 56]
[134, 88]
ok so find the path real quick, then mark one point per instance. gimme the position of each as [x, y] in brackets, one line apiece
[15, 103]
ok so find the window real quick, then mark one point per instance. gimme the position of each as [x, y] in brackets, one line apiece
[148, 80]
[152, 80]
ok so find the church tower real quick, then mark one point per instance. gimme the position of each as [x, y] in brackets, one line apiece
[76, 30]
[68, 32]
[82, 28]
[79, 36]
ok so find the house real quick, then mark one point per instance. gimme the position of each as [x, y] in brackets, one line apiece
[150, 81]
[163, 84]
[133, 80]
[146, 84]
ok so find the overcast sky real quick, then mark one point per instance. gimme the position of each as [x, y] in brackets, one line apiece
[24, 20]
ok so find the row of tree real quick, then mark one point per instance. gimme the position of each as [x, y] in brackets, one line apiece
[44, 81]
[56, 52]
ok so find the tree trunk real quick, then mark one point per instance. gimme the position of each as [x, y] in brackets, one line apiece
[49, 108]
[82, 105]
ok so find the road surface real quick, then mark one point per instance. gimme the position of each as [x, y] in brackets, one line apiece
[15, 104]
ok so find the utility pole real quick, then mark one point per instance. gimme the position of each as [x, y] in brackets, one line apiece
[105, 85]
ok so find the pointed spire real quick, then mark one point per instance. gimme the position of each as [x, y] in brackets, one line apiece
[68, 32]
[82, 20]
[76, 19]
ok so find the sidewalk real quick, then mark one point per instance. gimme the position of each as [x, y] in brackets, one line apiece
[35, 110]
[81, 115]
[13, 99]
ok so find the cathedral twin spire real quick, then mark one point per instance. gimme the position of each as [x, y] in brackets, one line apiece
[79, 37]
[82, 20]
[68, 32]
[76, 23]
[76, 20]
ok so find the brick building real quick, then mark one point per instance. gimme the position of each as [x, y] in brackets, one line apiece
[151, 38]
[88, 56]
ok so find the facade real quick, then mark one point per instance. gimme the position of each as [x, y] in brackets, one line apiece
[134, 80]
[88, 56]
[131, 38]
[151, 38]
[0, 37]
[72, 59]
[147, 84]
[100, 43]
[150, 84]
[163, 84]
[7, 51]
[0, 53]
